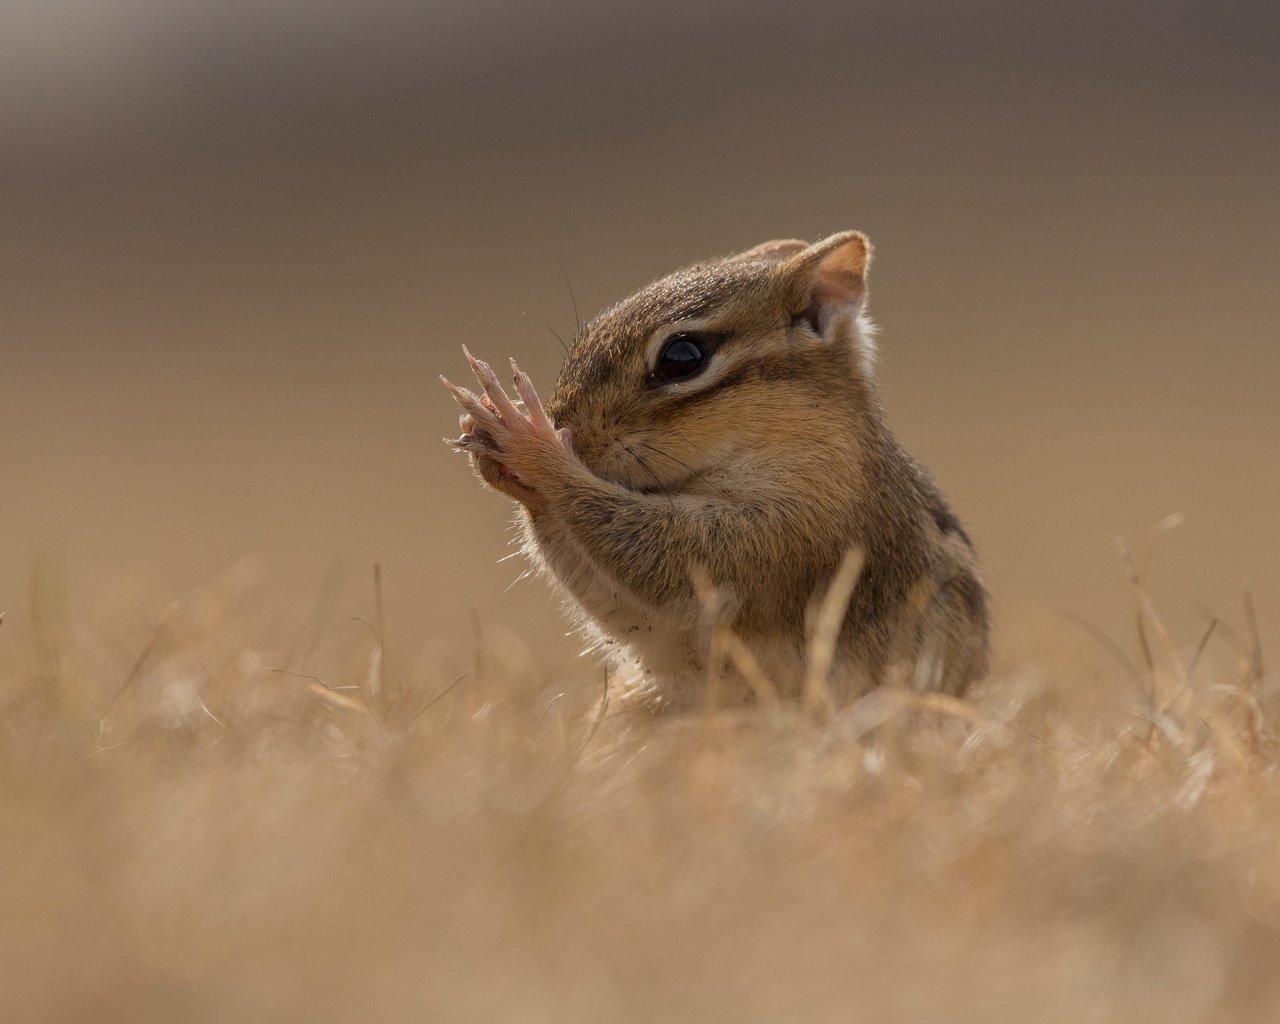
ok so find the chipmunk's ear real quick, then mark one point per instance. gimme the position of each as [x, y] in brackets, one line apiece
[779, 249]
[827, 288]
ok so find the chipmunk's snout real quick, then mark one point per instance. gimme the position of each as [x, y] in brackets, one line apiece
[599, 445]
[587, 434]
[588, 446]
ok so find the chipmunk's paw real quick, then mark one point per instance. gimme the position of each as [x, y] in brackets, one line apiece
[516, 450]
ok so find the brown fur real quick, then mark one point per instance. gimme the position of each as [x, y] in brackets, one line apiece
[760, 474]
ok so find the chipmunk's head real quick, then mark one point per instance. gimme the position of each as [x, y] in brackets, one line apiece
[729, 361]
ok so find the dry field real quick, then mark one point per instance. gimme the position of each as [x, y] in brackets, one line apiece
[197, 830]
[238, 242]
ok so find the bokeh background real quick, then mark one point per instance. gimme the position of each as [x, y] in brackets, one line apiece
[240, 239]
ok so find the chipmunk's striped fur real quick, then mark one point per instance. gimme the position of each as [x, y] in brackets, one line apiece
[723, 425]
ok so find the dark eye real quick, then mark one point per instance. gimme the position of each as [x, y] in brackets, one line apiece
[684, 355]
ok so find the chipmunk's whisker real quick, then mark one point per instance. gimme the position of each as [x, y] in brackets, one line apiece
[657, 483]
[693, 472]
[573, 299]
[662, 454]
[564, 347]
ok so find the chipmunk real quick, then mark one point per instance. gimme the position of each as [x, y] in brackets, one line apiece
[722, 427]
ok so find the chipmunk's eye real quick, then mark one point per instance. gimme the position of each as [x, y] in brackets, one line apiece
[684, 355]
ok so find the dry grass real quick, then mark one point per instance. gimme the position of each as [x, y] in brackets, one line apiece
[190, 835]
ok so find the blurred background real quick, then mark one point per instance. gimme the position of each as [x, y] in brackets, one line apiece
[240, 239]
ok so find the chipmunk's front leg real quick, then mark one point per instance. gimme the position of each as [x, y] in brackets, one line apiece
[516, 451]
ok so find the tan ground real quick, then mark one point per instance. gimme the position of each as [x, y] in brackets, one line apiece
[190, 834]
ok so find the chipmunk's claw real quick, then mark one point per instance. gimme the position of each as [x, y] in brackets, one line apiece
[483, 415]
[529, 396]
[475, 440]
[488, 380]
